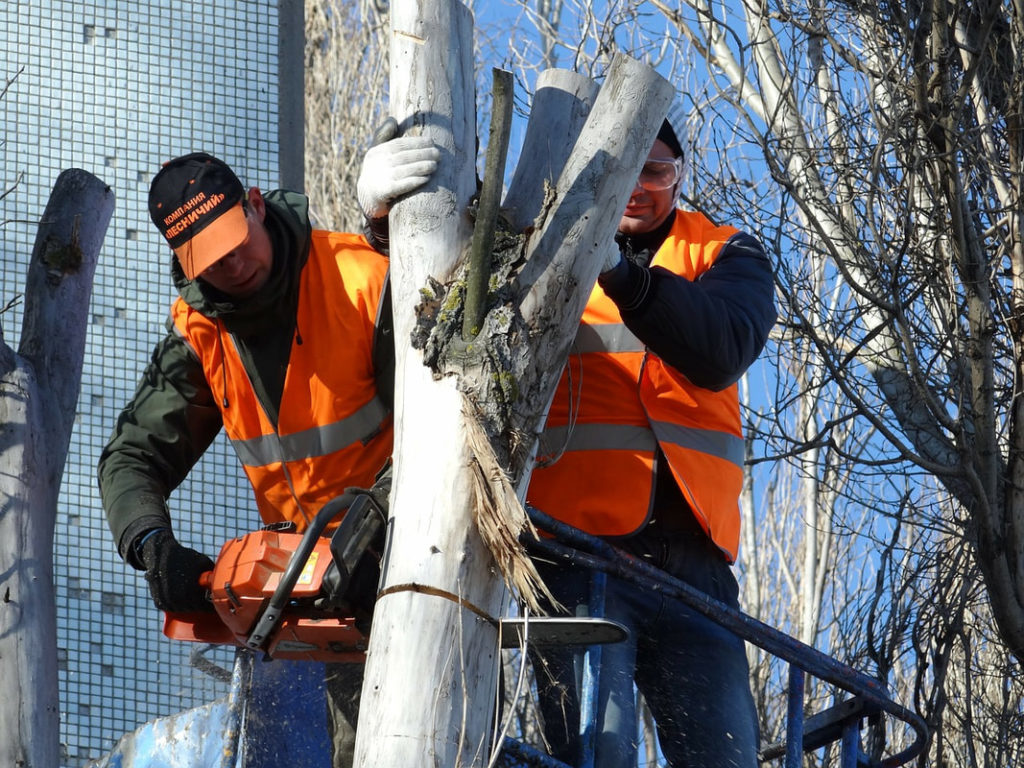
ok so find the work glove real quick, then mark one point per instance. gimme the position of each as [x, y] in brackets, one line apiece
[612, 257]
[393, 167]
[352, 580]
[381, 488]
[173, 572]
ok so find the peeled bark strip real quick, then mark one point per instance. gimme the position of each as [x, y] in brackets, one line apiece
[38, 390]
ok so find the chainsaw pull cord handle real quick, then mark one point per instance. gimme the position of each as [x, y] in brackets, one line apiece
[270, 618]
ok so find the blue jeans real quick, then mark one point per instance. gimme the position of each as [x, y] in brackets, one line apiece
[692, 672]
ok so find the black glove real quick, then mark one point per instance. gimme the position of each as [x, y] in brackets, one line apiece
[357, 546]
[381, 488]
[173, 573]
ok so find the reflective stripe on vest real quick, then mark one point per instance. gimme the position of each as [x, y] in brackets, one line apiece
[313, 442]
[627, 437]
[607, 337]
[617, 403]
[597, 437]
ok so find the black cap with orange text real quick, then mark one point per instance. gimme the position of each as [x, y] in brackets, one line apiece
[196, 203]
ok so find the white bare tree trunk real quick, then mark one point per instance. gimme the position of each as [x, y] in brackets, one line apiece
[38, 390]
[430, 643]
[433, 658]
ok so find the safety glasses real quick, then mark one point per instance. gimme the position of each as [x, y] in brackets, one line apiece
[658, 174]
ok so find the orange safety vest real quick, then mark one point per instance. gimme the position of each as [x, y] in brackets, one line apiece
[333, 431]
[616, 403]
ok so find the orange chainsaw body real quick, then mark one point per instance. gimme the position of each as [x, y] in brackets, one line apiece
[242, 581]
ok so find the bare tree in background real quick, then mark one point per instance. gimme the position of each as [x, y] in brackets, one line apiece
[892, 134]
[894, 137]
[346, 98]
[877, 147]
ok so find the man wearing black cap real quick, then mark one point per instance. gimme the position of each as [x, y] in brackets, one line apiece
[644, 446]
[271, 339]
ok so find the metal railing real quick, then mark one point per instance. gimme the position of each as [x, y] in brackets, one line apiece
[840, 723]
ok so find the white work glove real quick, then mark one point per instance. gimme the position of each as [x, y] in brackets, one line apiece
[393, 167]
[612, 257]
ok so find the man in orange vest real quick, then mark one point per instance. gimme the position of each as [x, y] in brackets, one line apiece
[644, 446]
[272, 339]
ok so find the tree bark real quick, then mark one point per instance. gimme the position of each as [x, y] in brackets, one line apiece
[38, 391]
[433, 658]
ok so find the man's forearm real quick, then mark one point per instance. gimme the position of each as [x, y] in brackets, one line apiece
[710, 329]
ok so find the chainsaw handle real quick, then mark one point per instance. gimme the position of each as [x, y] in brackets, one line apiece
[206, 579]
[270, 618]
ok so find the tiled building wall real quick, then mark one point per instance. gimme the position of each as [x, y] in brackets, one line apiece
[116, 87]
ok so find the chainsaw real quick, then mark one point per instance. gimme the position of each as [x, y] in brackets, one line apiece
[291, 595]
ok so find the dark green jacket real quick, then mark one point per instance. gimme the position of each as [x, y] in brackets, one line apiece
[173, 417]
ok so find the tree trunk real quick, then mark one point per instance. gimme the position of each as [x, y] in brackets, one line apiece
[38, 391]
[432, 638]
[433, 659]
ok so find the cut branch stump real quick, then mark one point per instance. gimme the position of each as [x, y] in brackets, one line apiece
[39, 388]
